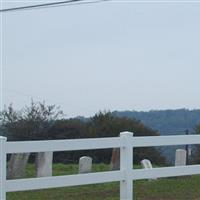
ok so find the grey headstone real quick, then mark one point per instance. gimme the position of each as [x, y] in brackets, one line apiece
[146, 164]
[43, 163]
[17, 165]
[180, 157]
[85, 164]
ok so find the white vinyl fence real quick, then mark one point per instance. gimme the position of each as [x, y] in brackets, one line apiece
[126, 175]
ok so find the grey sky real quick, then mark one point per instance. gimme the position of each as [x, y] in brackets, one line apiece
[113, 56]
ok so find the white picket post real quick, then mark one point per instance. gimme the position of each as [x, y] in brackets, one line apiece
[126, 166]
[3, 168]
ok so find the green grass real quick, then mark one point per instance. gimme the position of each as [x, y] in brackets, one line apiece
[184, 188]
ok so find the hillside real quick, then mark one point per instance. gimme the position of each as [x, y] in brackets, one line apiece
[166, 122]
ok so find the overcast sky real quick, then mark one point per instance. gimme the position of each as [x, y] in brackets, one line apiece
[106, 56]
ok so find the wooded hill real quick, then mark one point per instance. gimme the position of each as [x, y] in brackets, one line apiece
[166, 122]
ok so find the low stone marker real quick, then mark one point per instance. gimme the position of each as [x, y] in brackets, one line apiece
[180, 157]
[146, 164]
[85, 165]
[17, 165]
[43, 163]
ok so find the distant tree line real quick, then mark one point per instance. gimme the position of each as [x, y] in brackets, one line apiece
[43, 122]
[167, 122]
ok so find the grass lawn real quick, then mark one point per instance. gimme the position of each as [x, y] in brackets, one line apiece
[184, 188]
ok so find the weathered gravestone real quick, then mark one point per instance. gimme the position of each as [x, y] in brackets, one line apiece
[85, 164]
[17, 165]
[115, 159]
[43, 163]
[146, 164]
[180, 157]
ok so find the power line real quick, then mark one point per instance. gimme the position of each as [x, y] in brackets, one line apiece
[79, 2]
[52, 4]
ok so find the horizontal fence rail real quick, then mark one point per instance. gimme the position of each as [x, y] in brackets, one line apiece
[126, 142]
[150, 141]
[63, 145]
[100, 143]
[63, 181]
[165, 172]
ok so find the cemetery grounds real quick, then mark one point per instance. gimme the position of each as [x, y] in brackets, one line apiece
[182, 188]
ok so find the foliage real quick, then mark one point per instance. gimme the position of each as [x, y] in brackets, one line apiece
[107, 125]
[197, 129]
[102, 125]
[30, 123]
[40, 121]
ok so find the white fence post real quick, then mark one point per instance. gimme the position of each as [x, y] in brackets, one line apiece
[126, 166]
[3, 168]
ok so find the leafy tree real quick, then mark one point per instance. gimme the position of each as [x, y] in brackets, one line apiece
[39, 121]
[107, 125]
[30, 123]
[68, 129]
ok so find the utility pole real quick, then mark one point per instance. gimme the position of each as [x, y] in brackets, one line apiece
[187, 148]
